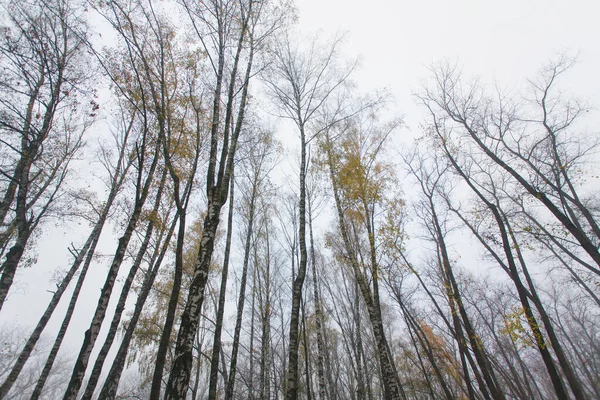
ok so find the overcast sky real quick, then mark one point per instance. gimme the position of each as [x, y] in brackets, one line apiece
[504, 42]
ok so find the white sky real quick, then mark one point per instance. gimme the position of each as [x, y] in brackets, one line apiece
[502, 41]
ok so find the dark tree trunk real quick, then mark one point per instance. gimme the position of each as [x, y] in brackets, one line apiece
[111, 384]
[391, 383]
[114, 325]
[294, 335]
[165, 339]
[242, 296]
[214, 360]
[92, 333]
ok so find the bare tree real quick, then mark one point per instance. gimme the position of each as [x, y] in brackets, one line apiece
[301, 83]
[43, 58]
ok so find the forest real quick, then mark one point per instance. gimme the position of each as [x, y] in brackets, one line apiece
[248, 223]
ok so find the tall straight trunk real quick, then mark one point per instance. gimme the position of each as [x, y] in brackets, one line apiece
[116, 320]
[198, 369]
[217, 194]
[92, 333]
[111, 384]
[391, 383]
[251, 346]
[319, 322]
[265, 376]
[265, 316]
[242, 297]
[294, 336]
[216, 350]
[306, 343]
[454, 296]
[360, 376]
[165, 339]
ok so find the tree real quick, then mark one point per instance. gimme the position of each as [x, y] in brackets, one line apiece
[43, 84]
[117, 173]
[300, 84]
[483, 124]
[358, 178]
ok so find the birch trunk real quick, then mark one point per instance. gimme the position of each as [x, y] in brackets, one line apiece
[114, 325]
[92, 333]
[216, 350]
[111, 384]
[391, 384]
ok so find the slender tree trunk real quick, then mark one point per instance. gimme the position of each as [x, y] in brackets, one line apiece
[165, 339]
[265, 376]
[294, 336]
[111, 384]
[361, 392]
[318, 313]
[242, 297]
[251, 346]
[265, 354]
[92, 333]
[214, 361]
[307, 372]
[116, 320]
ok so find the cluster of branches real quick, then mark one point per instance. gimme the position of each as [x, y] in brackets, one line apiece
[307, 290]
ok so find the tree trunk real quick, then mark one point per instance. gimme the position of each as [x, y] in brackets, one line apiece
[92, 333]
[214, 360]
[241, 298]
[165, 339]
[114, 325]
[111, 384]
[318, 313]
[391, 384]
[292, 372]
